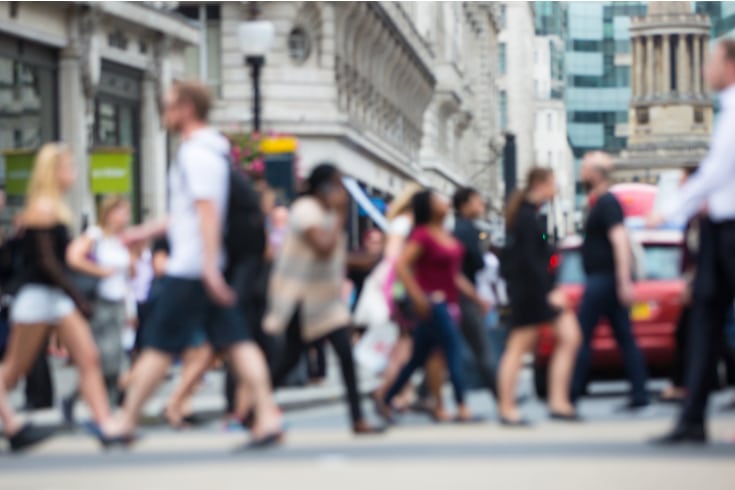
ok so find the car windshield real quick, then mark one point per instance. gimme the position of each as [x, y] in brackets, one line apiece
[660, 263]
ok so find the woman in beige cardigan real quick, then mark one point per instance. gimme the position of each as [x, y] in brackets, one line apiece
[304, 299]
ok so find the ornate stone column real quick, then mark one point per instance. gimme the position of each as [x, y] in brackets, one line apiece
[682, 75]
[640, 72]
[74, 130]
[697, 75]
[665, 65]
[650, 68]
[634, 85]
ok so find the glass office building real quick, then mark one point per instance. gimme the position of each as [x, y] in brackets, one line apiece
[722, 15]
[597, 65]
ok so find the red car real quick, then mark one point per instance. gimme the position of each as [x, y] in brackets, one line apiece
[654, 314]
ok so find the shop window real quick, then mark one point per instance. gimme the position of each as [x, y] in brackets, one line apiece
[28, 113]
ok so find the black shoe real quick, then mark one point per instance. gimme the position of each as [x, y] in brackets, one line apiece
[682, 434]
[634, 406]
[28, 436]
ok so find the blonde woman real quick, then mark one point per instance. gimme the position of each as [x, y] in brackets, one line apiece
[101, 252]
[47, 298]
[400, 219]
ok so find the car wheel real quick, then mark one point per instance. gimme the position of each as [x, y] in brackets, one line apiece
[540, 381]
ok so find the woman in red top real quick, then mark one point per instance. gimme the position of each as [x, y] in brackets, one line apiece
[430, 269]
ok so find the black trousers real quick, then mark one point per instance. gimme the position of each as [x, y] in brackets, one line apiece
[472, 325]
[317, 360]
[714, 290]
[342, 344]
[39, 389]
[682, 341]
[250, 281]
[678, 371]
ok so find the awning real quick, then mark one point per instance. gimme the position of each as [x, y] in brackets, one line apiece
[365, 202]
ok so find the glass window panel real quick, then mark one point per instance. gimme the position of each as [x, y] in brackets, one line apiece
[214, 55]
[584, 63]
[107, 127]
[126, 126]
[191, 62]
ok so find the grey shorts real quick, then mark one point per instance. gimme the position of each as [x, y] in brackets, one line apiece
[36, 303]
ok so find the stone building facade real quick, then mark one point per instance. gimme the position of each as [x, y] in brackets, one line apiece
[91, 75]
[391, 91]
[515, 82]
[670, 117]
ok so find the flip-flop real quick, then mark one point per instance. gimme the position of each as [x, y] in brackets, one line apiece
[123, 441]
[266, 442]
[474, 419]
[516, 424]
[563, 417]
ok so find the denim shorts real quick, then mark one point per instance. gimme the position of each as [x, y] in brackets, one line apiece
[182, 309]
[37, 303]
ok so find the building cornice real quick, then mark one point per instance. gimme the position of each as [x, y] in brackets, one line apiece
[150, 18]
[404, 32]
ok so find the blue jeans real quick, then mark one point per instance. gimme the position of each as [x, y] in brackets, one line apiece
[601, 299]
[438, 330]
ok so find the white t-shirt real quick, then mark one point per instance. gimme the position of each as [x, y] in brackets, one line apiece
[200, 172]
[489, 282]
[111, 253]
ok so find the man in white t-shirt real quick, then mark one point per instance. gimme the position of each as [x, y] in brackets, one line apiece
[194, 292]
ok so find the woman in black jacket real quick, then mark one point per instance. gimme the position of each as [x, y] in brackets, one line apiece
[534, 302]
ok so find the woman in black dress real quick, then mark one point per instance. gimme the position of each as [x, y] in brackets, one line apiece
[534, 302]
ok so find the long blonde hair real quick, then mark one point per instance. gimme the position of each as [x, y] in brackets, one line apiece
[44, 181]
[402, 203]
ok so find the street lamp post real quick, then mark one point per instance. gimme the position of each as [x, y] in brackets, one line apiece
[255, 39]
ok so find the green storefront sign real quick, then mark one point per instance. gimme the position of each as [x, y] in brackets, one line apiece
[110, 170]
[18, 167]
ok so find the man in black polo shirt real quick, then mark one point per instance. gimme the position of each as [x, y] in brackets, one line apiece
[609, 285]
[469, 206]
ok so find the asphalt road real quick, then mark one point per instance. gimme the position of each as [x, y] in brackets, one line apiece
[608, 450]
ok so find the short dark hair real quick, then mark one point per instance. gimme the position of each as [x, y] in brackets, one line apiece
[197, 94]
[421, 204]
[463, 196]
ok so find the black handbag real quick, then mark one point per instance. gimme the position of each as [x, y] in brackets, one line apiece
[85, 284]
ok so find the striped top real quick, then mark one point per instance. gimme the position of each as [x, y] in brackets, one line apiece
[302, 279]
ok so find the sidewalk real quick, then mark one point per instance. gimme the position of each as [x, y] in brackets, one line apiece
[208, 402]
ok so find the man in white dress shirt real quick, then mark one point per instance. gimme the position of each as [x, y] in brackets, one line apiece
[711, 189]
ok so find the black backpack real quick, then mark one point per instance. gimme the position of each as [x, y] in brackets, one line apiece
[244, 233]
[244, 230]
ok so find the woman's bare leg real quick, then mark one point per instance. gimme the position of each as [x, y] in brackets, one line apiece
[74, 333]
[248, 363]
[25, 342]
[11, 422]
[561, 368]
[520, 342]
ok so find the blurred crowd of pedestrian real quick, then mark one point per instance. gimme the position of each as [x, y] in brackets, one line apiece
[233, 278]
